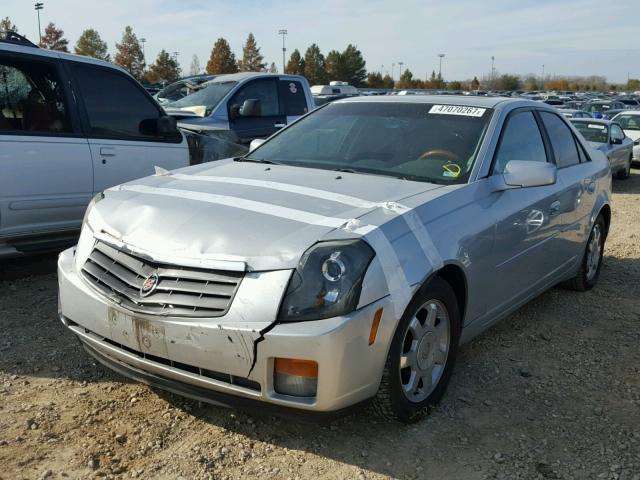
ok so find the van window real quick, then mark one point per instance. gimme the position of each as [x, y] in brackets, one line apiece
[31, 98]
[115, 105]
[293, 97]
[521, 140]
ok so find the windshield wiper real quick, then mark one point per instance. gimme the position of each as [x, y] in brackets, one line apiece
[255, 160]
[347, 170]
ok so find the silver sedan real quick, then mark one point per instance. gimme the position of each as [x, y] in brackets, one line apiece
[608, 137]
[342, 261]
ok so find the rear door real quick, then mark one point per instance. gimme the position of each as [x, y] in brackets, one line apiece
[293, 99]
[46, 175]
[576, 175]
[270, 117]
[116, 110]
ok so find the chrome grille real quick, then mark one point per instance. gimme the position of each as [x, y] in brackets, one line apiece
[179, 291]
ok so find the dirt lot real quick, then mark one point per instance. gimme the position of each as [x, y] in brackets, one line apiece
[551, 392]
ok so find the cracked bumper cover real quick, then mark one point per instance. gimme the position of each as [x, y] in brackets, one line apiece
[149, 347]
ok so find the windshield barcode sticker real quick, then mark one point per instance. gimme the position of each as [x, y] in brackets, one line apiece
[458, 110]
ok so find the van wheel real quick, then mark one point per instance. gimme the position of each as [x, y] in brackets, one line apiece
[589, 272]
[422, 355]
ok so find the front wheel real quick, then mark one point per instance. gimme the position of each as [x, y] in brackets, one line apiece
[422, 355]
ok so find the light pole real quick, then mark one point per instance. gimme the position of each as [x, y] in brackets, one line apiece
[284, 33]
[493, 69]
[400, 64]
[39, 6]
[441, 55]
[393, 66]
[542, 78]
[144, 57]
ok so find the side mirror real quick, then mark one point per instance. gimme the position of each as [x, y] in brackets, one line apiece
[164, 126]
[251, 108]
[524, 174]
[256, 143]
[616, 141]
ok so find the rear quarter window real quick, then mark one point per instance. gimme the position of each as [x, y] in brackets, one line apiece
[293, 97]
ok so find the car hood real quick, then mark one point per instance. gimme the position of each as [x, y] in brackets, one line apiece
[242, 215]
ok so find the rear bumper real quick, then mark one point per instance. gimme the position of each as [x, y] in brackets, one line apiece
[230, 359]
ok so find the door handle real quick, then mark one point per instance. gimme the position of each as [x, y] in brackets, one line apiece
[554, 209]
[280, 125]
[107, 151]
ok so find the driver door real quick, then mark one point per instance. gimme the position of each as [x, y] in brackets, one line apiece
[268, 117]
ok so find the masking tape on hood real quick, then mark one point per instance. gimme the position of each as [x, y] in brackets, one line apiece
[241, 203]
[395, 276]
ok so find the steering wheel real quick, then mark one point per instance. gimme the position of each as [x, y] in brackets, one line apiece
[441, 153]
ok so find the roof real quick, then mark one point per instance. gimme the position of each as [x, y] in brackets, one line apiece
[601, 121]
[464, 100]
[238, 77]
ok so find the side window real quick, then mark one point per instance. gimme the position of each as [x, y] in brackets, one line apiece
[116, 106]
[31, 98]
[265, 91]
[564, 146]
[293, 98]
[521, 140]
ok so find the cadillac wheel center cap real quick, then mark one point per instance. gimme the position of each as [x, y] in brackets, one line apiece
[149, 285]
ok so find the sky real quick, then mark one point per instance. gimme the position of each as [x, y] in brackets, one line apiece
[568, 37]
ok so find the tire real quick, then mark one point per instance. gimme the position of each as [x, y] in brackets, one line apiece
[436, 304]
[626, 171]
[587, 278]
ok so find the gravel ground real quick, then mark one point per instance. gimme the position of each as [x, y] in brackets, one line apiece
[551, 392]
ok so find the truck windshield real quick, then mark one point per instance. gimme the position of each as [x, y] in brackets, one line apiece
[415, 141]
[208, 96]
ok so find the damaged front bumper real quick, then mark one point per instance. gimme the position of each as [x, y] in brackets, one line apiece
[230, 359]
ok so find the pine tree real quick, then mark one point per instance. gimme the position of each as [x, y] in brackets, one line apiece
[273, 68]
[222, 59]
[295, 65]
[335, 67]
[7, 26]
[374, 80]
[314, 66]
[406, 79]
[165, 69]
[354, 66]
[129, 53]
[53, 38]
[195, 66]
[387, 82]
[251, 61]
[91, 45]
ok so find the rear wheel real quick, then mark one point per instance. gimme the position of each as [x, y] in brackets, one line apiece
[422, 355]
[589, 272]
[626, 170]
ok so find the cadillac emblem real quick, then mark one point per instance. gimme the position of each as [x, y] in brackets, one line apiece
[149, 285]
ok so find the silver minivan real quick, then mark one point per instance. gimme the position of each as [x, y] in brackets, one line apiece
[70, 127]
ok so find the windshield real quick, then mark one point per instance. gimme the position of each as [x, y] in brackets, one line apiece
[209, 96]
[629, 122]
[593, 132]
[597, 107]
[416, 141]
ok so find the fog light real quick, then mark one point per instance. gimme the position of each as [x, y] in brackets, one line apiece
[295, 377]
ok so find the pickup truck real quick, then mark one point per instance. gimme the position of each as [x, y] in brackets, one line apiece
[230, 111]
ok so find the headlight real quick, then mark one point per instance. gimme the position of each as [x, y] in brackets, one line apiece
[93, 201]
[327, 281]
